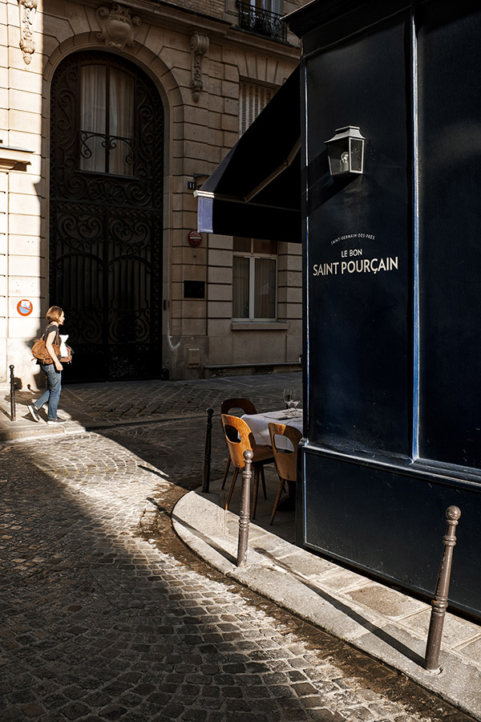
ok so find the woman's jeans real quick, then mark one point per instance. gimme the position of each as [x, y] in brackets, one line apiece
[52, 394]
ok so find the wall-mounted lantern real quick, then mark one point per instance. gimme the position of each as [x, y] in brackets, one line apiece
[345, 151]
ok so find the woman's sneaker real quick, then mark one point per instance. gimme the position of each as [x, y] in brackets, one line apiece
[56, 421]
[33, 411]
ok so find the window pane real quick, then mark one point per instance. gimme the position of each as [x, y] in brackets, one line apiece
[261, 246]
[265, 288]
[242, 244]
[274, 6]
[121, 122]
[240, 295]
[93, 116]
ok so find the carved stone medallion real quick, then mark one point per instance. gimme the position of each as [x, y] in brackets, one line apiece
[118, 27]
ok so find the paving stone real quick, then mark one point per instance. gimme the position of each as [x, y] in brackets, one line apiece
[106, 615]
[324, 715]
[172, 711]
[114, 712]
[386, 601]
[32, 710]
[11, 715]
[296, 715]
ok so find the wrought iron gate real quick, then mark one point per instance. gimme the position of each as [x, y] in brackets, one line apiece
[106, 216]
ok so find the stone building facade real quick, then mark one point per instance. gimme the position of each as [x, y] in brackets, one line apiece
[110, 116]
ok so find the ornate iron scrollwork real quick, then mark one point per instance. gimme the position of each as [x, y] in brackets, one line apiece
[107, 143]
[106, 231]
[261, 22]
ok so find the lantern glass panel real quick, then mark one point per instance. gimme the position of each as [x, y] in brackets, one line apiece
[357, 149]
[338, 153]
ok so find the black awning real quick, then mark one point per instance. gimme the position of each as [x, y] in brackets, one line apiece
[256, 190]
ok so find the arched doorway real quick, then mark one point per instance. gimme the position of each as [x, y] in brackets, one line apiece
[106, 215]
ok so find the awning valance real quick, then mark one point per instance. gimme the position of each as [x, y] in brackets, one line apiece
[256, 190]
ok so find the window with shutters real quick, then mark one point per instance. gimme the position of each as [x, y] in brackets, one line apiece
[253, 98]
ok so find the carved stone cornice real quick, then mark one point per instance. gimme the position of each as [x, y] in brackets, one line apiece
[27, 13]
[199, 45]
[14, 158]
[118, 28]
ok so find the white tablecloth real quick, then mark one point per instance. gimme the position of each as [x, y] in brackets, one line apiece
[259, 424]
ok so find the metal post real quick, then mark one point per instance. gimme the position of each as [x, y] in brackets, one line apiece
[440, 601]
[13, 414]
[245, 510]
[207, 454]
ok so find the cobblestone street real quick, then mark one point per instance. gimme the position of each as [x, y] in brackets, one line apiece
[106, 615]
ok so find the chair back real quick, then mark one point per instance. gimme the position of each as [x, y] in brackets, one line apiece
[245, 404]
[239, 438]
[285, 459]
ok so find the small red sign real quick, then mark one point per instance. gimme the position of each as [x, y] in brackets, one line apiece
[24, 307]
[195, 238]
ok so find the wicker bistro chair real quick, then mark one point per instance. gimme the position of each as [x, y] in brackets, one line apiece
[240, 438]
[225, 408]
[284, 459]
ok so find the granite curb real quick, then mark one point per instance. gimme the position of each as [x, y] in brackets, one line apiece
[27, 431]
[384, 623]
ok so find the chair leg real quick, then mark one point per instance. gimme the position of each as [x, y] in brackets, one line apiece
[256, 490]
[263, 481]
[231, 490]
[276, 503]
[226, 473]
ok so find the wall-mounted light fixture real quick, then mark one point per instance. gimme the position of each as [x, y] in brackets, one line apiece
[345, 151]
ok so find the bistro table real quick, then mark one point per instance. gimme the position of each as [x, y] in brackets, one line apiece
[259, 424]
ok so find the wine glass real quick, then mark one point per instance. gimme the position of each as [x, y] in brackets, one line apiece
[295, 399]
[287, 396]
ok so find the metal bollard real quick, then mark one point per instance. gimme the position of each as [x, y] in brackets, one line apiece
[13, 413]
[207, 453]
[244, 516]
[440, 601]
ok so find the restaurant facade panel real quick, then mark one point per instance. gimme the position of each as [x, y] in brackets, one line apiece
[111, 116]
[391, 269]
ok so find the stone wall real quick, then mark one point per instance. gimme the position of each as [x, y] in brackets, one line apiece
[199, 132]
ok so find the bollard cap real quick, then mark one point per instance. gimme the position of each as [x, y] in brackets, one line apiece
[453, 513]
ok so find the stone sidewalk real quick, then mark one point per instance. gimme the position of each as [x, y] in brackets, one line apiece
[390, 626]
[386, 624]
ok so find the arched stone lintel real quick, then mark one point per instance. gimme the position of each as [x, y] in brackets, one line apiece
[143, 57]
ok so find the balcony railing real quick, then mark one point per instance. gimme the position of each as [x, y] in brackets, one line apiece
[261, 21]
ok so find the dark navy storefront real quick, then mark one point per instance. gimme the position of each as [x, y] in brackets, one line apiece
[393, 289]
[393, 383]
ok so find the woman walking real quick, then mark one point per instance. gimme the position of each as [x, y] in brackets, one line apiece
[53, 371]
